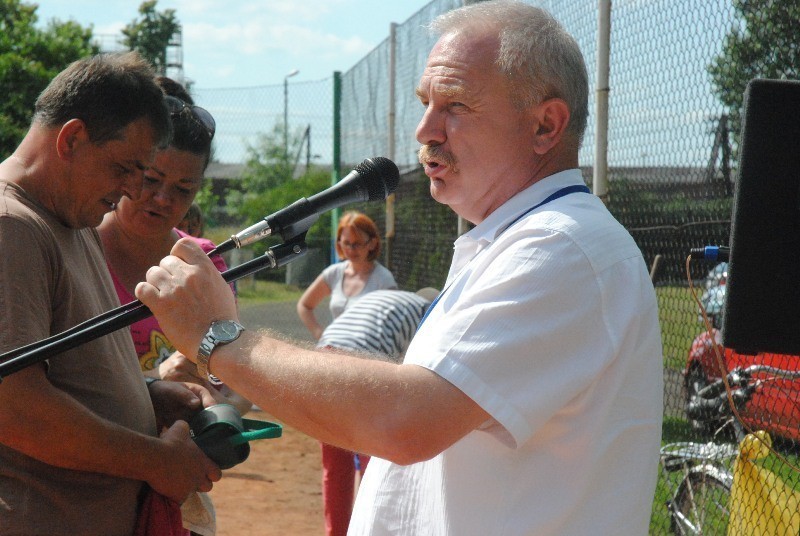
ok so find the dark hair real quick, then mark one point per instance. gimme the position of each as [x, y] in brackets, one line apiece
[107, 92]
[171, 87]
[363, 223]
[187, 133]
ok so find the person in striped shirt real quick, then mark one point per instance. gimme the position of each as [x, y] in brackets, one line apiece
[380, 325]
[382, 322]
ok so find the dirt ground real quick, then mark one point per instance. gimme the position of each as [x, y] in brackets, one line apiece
[277, 491]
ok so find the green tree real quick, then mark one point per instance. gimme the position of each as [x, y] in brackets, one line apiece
[151, 34]
[268, 185]
[208, 201]
[29, 58]
[764, 43]
[267, 166]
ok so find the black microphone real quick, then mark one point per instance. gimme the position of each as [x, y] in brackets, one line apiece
[372, 180]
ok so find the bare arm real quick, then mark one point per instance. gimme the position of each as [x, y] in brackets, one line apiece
[403, 413]
[178, 368]
[42, 422]
[311, 298]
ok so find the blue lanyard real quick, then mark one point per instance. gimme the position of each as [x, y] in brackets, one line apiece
[575, 188]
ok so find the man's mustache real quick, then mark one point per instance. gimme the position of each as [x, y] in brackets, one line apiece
[436, 153]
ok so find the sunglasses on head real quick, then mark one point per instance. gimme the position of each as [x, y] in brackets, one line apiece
[200, 115]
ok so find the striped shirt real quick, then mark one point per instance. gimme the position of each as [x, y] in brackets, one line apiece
[383, 321]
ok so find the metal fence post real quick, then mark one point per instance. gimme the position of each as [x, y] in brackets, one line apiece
[336, 167]
[600, 178]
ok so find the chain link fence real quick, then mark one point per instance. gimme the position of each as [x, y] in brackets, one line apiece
[671, 178]
[245, 114]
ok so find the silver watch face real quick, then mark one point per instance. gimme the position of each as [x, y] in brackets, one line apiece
[225, 330]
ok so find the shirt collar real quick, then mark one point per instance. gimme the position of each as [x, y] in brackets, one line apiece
[496, 222]
[474, 241]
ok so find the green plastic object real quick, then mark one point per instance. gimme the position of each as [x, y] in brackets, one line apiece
[224, 436]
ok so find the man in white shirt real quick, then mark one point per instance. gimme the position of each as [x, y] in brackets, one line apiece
[529, 401]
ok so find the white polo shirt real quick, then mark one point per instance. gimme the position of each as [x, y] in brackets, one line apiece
[551, 326]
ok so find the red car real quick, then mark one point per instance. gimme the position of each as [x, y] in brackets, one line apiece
[774, 405]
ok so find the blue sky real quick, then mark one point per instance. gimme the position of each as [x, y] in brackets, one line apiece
[243, 43]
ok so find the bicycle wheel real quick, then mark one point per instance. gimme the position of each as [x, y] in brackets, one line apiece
[700, 505]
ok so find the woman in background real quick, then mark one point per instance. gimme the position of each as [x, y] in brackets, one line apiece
[192, 223]
[359, 273]
[358, 244]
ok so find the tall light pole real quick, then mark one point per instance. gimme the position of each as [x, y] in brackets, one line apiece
[286, 113]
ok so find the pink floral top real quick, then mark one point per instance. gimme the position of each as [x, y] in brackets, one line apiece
[151, 344]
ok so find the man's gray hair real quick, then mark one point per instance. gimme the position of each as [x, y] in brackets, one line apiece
[539, 58]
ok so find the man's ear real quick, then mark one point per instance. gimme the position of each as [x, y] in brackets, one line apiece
[71, 135]
[551, 119]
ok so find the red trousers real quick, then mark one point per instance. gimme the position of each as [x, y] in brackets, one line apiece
[338, 486]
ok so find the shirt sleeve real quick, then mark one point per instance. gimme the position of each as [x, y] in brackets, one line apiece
[331, 274]
[381, 279]
[27, 275]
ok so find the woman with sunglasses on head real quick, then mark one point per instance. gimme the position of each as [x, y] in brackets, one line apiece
[138, 234]
[358, 244]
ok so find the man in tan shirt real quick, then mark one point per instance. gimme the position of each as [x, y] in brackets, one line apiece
[78, 436]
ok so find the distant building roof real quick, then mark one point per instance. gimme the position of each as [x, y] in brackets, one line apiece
[221, 170]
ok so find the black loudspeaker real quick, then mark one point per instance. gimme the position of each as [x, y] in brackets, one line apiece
[762, 307]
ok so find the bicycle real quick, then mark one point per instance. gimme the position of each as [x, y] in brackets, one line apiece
[700, 502]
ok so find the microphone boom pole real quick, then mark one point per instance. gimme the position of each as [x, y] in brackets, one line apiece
[124, 316]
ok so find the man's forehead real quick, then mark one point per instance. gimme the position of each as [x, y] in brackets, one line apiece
[137, 152]
[444, 86]
[469, 47]
[457, 60]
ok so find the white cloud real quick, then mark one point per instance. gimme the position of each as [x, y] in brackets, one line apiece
[259, 37]
[270, 10]
[247, 42]
[111, 28]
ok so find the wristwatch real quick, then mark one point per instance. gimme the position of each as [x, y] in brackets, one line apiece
[220, 332]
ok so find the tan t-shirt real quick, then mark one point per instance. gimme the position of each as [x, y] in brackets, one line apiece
[52, 278]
